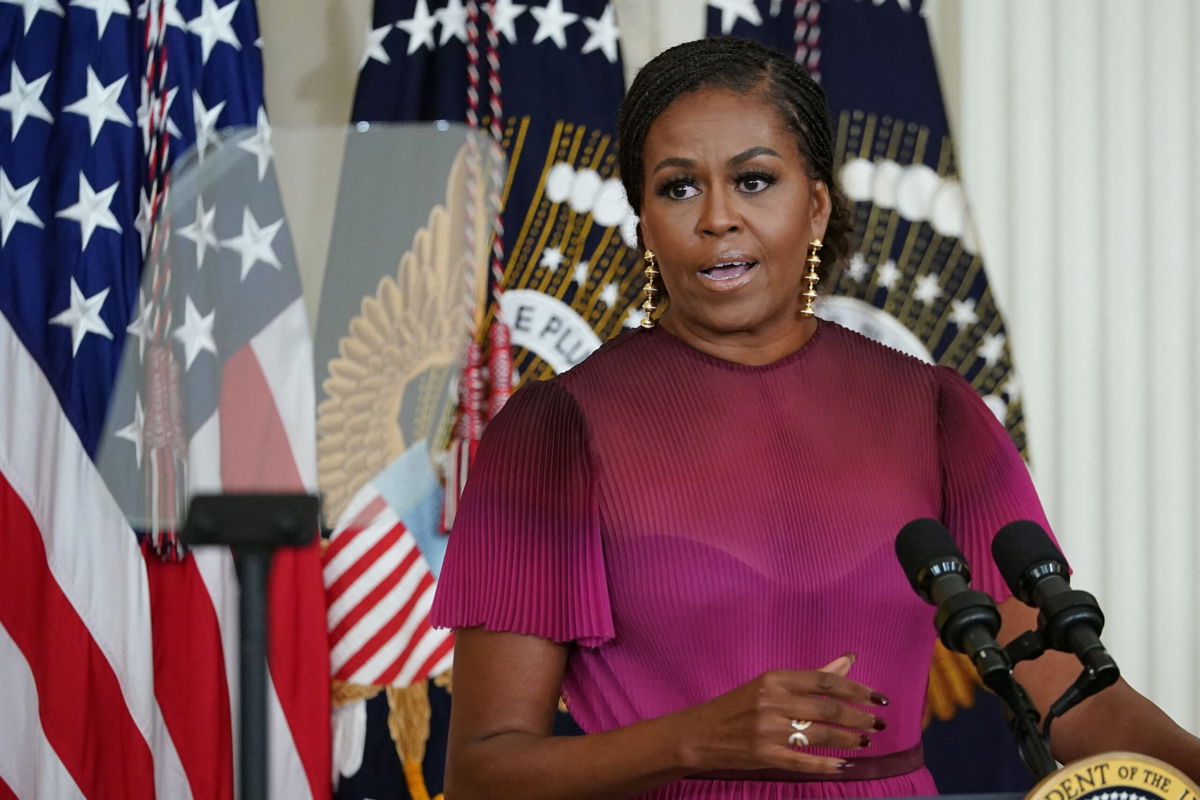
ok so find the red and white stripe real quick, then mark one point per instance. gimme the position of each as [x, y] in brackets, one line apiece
[120, 670]
[74, 602]
[807, 36]
[497, 176]
[473, 63]
[26, 747]
[379, 590]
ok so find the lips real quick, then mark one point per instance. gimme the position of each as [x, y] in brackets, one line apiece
[728, 269]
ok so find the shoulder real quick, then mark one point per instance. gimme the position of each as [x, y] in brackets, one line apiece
[536, 411]
[935, 389]
[551, 407]
[627, 354]
[960, 408]
[629, 343]
[878, 362]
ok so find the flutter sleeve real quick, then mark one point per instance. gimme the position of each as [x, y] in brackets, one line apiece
[525, 553]
[985, 483]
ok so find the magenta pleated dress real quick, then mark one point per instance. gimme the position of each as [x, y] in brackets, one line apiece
[688, 523]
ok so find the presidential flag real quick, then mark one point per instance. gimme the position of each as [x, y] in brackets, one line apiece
[545, 79]
[119, 647]
[542, 79]
[917, 282]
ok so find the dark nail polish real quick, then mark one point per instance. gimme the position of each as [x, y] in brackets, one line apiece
[864, 740]
[879, 724]
[845, 765]
[878, 699]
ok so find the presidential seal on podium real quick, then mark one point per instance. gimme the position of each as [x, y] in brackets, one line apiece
[1116, 776]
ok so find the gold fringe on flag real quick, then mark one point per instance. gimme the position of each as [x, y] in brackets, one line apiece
[952, 682]
[408, 722]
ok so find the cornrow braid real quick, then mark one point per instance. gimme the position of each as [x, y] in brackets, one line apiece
[743, 66]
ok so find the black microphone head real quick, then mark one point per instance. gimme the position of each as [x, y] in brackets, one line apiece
[925, 550]
[1019, 548]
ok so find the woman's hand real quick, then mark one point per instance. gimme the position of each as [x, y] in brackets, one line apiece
[506, 687]
[748, 727]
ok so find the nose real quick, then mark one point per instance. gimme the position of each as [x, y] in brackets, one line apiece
[718, 213]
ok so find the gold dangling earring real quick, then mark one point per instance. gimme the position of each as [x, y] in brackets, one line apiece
[810, 293]
[650, 290]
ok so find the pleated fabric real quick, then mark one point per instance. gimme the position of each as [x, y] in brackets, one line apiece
[689, 523]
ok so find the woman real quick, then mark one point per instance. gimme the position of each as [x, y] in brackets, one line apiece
[690, 535]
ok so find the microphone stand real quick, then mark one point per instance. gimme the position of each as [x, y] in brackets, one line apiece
[995, 668]
[253, 526]
[1023, 718]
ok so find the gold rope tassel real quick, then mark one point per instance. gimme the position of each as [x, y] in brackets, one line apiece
[408, 722]
[952, 682]
[342, 693]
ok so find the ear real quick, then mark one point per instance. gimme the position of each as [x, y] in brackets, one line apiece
[820, 207]
[645, 241]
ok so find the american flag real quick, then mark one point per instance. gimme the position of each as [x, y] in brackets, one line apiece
[120, 667]
[380, 571]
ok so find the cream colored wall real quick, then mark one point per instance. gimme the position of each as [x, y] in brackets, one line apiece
[311, 51]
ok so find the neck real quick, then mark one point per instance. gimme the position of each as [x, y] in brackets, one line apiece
[749, 347]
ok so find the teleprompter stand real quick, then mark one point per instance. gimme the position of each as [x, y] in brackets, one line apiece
[253, 525]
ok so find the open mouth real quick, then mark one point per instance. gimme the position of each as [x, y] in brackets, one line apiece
[728, 270]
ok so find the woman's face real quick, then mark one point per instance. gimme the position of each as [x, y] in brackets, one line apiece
[729, 209]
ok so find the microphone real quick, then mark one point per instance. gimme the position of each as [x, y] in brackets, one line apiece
[1069, 620]
[967, 620]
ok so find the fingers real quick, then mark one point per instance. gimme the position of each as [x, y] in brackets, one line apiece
[821, 735]
[792, 742]
[823, 696]
[822, 685]
[805, 762]
[758, 716]
[840, 665]
[836, 712]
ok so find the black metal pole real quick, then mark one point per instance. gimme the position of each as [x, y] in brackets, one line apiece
[1032, 747]
[252, 525]
[253, 564]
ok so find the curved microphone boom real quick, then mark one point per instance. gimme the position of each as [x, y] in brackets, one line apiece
[1069, 620]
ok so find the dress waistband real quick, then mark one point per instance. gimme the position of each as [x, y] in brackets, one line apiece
[864, 769]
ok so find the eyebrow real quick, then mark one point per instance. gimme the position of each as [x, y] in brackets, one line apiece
[743, 157]
[734, 161]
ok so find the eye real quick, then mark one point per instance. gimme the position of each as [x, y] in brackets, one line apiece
[678, 189]
[754, 182]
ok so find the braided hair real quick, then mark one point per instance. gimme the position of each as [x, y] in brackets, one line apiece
[742, 66]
